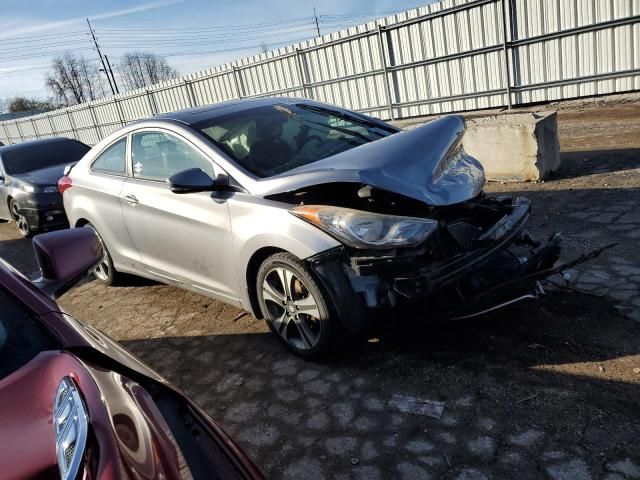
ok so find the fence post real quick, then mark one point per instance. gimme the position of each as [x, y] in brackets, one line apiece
[35, 129]
[385, 68]
[6, 132]
[301, 72]
[73, 125]
[237, 77]
[190, 94]
[94, 118]
[152, 102]
[53, 129]
[119, 110]
[505, 52]
[19, 131]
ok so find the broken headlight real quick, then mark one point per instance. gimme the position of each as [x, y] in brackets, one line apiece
[361, 229]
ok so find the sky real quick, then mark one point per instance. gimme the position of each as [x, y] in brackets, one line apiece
[192, 34]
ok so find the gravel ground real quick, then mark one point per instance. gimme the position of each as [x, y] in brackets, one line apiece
[540, 390]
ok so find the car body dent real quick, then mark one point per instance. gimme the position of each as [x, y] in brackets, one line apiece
[425, 164]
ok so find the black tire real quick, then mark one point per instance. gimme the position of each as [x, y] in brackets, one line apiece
[308, 335]
[105, 272]
[22, 224]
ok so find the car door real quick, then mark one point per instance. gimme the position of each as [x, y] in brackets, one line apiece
[186, 237]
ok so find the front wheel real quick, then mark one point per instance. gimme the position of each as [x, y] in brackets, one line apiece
[295, 306]
[21, 221]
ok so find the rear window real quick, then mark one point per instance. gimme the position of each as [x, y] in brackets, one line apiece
[36, 157]
[21, 337]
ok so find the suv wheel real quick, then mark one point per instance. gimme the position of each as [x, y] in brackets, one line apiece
[295, 306]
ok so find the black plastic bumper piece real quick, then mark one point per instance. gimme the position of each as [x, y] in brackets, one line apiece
[350, 309]
[45, 219]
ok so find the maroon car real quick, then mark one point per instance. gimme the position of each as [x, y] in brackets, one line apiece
[74, 404]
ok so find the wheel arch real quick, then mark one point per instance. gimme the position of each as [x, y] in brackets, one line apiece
[81, 222]
[251, 274]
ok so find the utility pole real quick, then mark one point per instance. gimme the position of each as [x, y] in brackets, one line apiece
[111, 72]
[316, 19]
[104, 67]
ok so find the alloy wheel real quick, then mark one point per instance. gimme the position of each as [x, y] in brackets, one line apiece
[293, 311]
[102, 270]
[20, 219]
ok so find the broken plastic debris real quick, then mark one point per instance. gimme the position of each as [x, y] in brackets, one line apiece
[417, 406]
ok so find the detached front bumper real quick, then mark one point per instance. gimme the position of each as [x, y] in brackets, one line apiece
[501, 265]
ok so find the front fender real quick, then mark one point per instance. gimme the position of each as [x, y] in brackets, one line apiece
[257, 224]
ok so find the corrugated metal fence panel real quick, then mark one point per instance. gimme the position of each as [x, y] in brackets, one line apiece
[575, 65]
[447, 56]
[135, 107]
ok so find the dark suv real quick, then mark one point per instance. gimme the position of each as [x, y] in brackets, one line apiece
[29, 173]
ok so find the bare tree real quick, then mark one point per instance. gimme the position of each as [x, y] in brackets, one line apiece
[24, 104]
[141, 69]
[74, 79]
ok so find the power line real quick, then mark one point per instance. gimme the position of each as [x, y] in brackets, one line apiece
[40, 47]
[39, 37]
[45, 54]
[240, 26]
[125, 43]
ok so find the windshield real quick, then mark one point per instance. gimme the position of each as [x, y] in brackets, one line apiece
[278, 138]
[35, 157]
[21, 338]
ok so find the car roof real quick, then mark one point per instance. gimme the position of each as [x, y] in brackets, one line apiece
[192, 116]
[35, 143]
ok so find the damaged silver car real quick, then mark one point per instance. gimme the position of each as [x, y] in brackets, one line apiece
[307, 215]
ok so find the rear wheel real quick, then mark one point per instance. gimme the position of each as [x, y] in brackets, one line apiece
[295, 306]
[20, 220]
[105, 272]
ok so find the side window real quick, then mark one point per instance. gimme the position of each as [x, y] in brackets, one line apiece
[112, 160]
[158, 156]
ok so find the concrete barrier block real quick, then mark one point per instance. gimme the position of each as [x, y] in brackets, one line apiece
[514, 147]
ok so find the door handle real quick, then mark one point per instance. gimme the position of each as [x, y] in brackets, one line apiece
[131, 199]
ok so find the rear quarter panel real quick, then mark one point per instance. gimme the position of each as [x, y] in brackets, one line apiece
[95, 198]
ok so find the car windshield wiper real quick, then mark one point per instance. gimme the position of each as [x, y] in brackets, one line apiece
[346, 116]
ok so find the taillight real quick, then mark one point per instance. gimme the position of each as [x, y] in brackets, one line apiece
[64, 184]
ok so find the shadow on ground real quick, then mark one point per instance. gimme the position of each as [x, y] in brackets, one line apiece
[561, 368]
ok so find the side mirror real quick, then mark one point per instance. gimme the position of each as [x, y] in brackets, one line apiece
[64, 257]
[196, 180]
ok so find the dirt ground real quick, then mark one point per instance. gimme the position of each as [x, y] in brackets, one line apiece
[547, 389]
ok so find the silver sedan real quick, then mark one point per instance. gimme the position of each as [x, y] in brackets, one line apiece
[315, 218]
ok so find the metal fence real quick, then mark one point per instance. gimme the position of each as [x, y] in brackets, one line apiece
[454, 55]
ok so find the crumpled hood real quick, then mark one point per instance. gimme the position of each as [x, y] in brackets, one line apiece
[425, 164]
